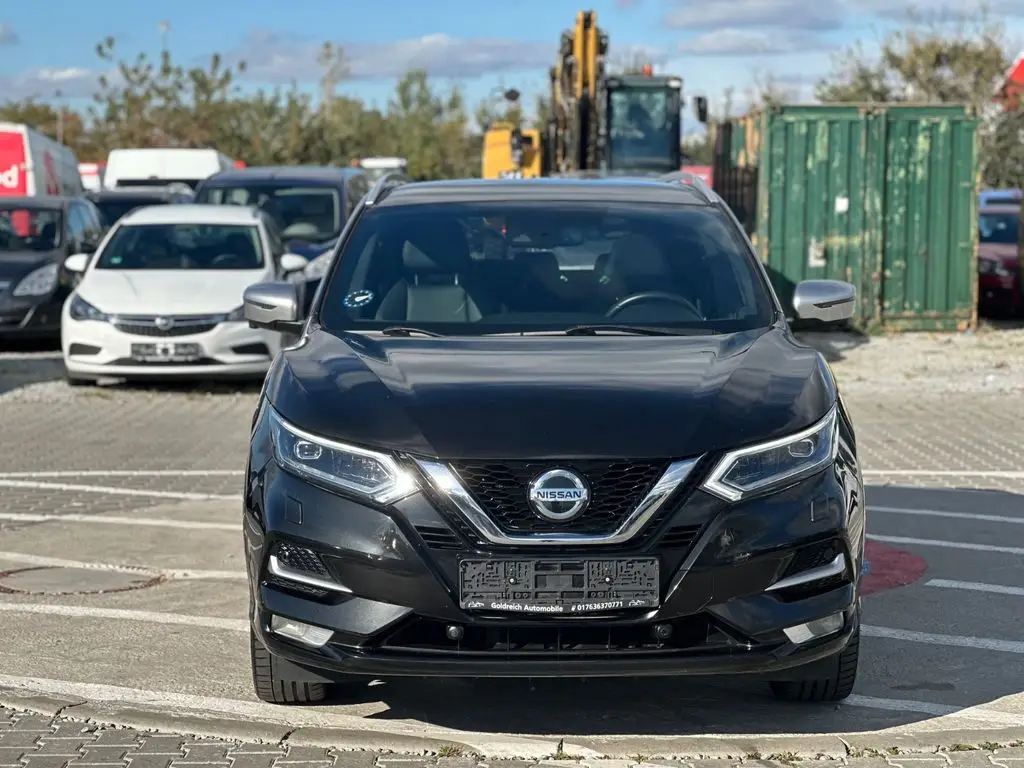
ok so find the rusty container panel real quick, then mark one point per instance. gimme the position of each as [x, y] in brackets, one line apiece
[881, 196]
[931, 219]
[817, 201]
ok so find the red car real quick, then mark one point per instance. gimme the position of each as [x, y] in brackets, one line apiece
[999, 280]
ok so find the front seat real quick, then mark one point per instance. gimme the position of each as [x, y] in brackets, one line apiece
[437, 285]
[636, 264]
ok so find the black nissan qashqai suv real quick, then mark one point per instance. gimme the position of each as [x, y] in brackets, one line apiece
[550, 428]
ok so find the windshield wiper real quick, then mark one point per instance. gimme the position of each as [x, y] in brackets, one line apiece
[408, 330]
[639, 330]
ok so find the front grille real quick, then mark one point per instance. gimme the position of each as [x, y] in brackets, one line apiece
[616, 487]
[182, 326]
[547, 639]
[437, 537]
[813, 556]
[679, 537]
[301, 559]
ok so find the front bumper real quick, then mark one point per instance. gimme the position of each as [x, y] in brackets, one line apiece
[384, 582]
[1000, 294]
[30, 315]
[93, 348]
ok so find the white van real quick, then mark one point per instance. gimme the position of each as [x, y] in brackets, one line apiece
[32, 164]
[149, 167]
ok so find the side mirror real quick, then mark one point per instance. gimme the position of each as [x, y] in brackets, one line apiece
[826, 300]
[700, 108]
[274, 306]
[292, 262]
[77, 263]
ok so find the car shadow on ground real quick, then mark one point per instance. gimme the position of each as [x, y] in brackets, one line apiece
[600, 708]
[24, 362]
[832, 344]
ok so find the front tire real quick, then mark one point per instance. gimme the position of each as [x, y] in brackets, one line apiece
[834, 688]
[275, 689]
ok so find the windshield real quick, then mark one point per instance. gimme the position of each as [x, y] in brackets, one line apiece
[312, 213]
[459, 268]
[114, 208]
[642, 128]
[183, 246]
[24, 228]
[998, 228]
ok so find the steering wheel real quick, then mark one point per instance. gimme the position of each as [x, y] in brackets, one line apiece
[638, 298]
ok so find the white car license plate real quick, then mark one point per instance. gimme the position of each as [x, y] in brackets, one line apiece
[166, 352]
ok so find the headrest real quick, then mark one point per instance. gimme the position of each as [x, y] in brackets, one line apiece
[437, 248]
[540, 263]
[637, 255]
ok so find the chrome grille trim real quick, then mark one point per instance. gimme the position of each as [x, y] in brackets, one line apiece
[445, 482]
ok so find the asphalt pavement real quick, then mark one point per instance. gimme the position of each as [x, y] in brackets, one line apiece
[123, 589]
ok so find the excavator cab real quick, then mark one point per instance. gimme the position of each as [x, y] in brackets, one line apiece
[643, 119]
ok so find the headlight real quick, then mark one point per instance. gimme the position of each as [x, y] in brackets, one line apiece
[38, 282]
[82, 310]
[236, 315]
[373, 475]
[992, 267]
[754, 469]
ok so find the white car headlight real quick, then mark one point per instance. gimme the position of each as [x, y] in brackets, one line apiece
[757, 468]
[39, 282]
[81, 309]
[373, 475]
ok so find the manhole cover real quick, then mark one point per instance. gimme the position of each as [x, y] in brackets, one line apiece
[74, 581]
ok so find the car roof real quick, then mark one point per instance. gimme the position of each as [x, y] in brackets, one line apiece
[134, 192]
[192, 213]
[37, 201]
[608, 190]
[283, 173]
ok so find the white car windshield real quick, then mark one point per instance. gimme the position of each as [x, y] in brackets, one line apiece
[183, 246]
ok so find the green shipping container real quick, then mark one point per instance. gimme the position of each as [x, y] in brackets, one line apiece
[882, 196]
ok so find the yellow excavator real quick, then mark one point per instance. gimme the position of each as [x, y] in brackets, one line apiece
[599, 122]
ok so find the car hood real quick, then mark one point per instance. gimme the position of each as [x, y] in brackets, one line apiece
[14, 265]
[1005, 253]
[548, 397]
[166, 291]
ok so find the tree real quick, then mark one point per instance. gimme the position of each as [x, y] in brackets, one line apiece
[935, 58]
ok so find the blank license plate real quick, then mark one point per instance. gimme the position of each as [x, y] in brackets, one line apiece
[166, 353]
[559, 586]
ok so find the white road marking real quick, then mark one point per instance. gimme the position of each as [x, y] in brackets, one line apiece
[976, 586]
[157, 522]
[1009, 474]
[170, 573]
[943, 513]
[994, 716]
[112, 490]
[946, 544]
[957, 641]
[152, 617]
[127, 473]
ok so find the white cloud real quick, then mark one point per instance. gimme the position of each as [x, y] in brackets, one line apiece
[44, 84]
[276, 58]
[747, 42]
[701, 16]
[7, 34]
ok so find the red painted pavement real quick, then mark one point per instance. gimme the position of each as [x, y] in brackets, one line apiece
[890, 568]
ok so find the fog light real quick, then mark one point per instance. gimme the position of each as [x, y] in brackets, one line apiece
[307, 634]
[801, 633]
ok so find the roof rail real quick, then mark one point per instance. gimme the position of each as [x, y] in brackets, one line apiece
[693, 181]
[384, 185]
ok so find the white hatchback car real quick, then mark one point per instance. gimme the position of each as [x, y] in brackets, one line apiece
[162, 296]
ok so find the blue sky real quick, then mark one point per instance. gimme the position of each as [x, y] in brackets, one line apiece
[478, 45]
